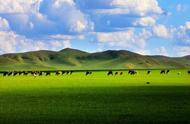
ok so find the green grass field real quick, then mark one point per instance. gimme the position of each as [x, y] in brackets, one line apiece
[96, 99]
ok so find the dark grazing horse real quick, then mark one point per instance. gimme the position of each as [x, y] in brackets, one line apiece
[167, 71]
[57, 73]
[5, 73]
[163, 72]
[188, 72]
[116, 73]
[121, 73]
[148, 72]
[15, 73]
[10, 73]
[132, 72]
[110, 73]
[48, 73]
[88, 73]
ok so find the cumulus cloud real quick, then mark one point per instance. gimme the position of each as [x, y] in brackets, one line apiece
[138, 7]
[11, 42]
[182, 34]
[145, 21]
[4, 25]
[161, 31]
[18, 6]
[181, 7]
[126, 39]
[67, 16]
[182, 50]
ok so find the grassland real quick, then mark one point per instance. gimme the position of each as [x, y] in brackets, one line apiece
[97, 98]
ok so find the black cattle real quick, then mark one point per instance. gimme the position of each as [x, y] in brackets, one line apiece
[88, 73]
[110, 73]
[132, 72]
[163, 72]
[71, 72]
[25, 73]
[57, 73]
[48, 73]
[5, 73]
[20, 73]
[147, 82]
[10, 73]
[62, 72]
[15, 73]
[116, 73]
[188, 72]
[167, 71]
[40, 73]
[67, 72]
[121, 73]
[148, 72]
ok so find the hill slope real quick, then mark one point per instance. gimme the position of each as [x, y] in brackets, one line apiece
[76, 59]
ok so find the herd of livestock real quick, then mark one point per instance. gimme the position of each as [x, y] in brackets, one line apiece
[48, 73]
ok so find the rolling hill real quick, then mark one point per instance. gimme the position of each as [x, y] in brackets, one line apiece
[76, 59]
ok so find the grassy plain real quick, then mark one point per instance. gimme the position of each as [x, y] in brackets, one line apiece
[97, 98]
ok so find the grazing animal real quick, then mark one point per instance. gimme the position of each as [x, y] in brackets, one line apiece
[48, 73]
[147, 82]
[116, 73]
[162, 72]
[188, 72]
[10, 73]
[67, 72]
[40, 73]
[57, 73]
[88, 73]
[148, 72]
[110, 73]
[63, 72]
[132, 72]
[71, 72]
[121, 73]
[167, 71]
[5, 73]
[19, 73]
[25, 73]
[34, 74]
[15, 73]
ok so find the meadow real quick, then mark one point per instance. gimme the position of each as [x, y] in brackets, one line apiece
[96, 98]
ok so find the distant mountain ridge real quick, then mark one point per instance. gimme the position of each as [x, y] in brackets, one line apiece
[77, 59]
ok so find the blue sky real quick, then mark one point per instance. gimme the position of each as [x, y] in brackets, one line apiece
[151, 27]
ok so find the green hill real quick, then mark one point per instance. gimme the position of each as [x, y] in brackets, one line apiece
[76, 59]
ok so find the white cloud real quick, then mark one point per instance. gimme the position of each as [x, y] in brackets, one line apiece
[66, 15]
[17, 6]
[125, 40]
[182, 33]
[181, 50]
[138, 7]
[56, 45]
[4, 24]
[11, 42]
[181, 7]
[67, 44]
[7, 42]
[145, 21]
[161, 31]
[187, 25]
